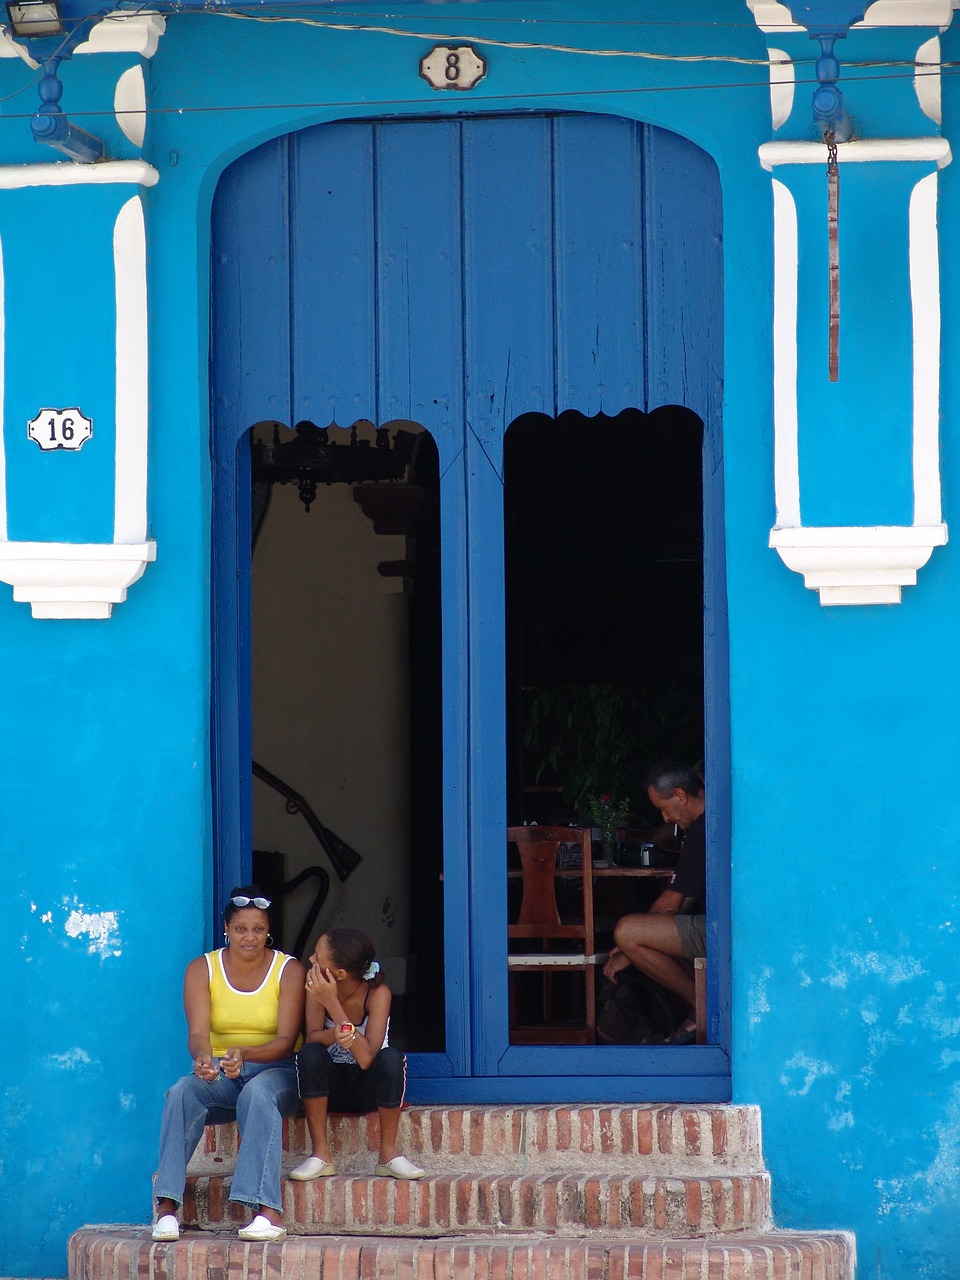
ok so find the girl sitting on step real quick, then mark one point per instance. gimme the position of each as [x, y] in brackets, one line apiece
[346, 1063]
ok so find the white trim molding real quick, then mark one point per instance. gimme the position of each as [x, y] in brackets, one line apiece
[73, 579]
[865, 151]
[69, 174]
[926, 80]
[130, 104]
[783, 83]
[130, 283]
[859, 565]
[771, 16]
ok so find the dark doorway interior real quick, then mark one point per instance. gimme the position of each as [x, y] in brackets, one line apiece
[604, 571]
[347, 707]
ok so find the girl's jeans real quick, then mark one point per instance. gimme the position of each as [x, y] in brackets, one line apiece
[258, 1099]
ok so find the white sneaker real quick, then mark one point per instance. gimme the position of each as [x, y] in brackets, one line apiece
[261, 1228]
[166, 1228]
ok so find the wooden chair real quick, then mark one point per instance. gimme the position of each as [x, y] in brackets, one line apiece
[700, 1001]
[539, 921]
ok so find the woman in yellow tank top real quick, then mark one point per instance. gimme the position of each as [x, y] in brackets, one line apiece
[244, 1007]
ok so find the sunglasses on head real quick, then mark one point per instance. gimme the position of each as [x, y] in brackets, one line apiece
[241, 901]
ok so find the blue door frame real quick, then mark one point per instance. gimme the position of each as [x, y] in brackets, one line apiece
[503, 287]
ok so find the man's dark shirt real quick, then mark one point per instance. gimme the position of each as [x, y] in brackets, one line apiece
[690, 877]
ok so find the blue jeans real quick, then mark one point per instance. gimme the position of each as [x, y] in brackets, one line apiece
[258, 1099]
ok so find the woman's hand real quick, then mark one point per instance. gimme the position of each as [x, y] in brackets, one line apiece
[322, 986]
[231, 1063]
[205, 1067]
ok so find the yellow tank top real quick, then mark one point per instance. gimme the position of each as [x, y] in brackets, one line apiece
[243, 1017]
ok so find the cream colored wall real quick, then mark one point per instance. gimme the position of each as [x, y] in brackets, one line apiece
[330, 710]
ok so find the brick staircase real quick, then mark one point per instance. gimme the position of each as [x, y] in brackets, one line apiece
[512, 1193]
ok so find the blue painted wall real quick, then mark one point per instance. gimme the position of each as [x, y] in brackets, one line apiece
[845, 822]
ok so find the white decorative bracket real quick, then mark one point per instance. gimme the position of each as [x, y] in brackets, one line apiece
[73, 579]
[859, 565]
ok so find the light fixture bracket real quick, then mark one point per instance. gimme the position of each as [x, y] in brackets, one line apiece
[33, 19]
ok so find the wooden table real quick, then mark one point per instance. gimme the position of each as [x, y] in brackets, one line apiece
[602, 870]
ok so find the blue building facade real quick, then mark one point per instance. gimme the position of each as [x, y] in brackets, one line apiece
[297, 217]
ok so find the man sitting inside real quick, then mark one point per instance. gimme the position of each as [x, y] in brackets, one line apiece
[675, 926]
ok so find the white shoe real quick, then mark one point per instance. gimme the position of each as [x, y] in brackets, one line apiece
[261, 1228]
[311, 1168]
[166, 1228]
[400, 1167]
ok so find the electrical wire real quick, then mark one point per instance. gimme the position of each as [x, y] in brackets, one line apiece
[917, 70]
[747, 25]
[491, 42]
[237, 12]
[353, 104]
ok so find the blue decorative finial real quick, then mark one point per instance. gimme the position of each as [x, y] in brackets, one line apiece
[829, 21]
[51, 126]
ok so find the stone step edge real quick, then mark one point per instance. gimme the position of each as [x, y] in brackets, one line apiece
[99, 1253]
[557, 1203]
[363, 1164]
[711, 1131]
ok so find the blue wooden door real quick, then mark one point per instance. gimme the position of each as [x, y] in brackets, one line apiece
[460, 273]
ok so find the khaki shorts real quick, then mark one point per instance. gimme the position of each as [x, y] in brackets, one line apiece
[693, 935]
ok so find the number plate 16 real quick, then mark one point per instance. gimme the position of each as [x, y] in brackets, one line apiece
[60, 428]
[452, 67]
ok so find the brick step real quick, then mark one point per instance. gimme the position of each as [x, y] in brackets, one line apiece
[128, 1253]
[676, 1203]
[528, 1139]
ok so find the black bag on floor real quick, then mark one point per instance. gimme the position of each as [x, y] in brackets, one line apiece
[632, 1009]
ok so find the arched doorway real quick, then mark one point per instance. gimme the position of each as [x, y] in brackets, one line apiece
[458, 274]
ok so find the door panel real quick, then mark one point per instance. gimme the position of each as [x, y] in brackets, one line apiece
[334, 288]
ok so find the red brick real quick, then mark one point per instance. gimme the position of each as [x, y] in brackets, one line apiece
[529, 1201]
[614, 1213]
[518, 1133]
[606, 1124]
[592, 1213]
[476, 1133]
[501, 1191]
[691, 1132]
[539, 1132]
[455, 1122]
[563, 1121]
[645, 1133]
[738, 1218]
[587, 1125]
[463, 1197]
[694, 1205]
[660, 1205]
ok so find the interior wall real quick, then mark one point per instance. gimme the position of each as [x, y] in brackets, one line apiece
[331, 711]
